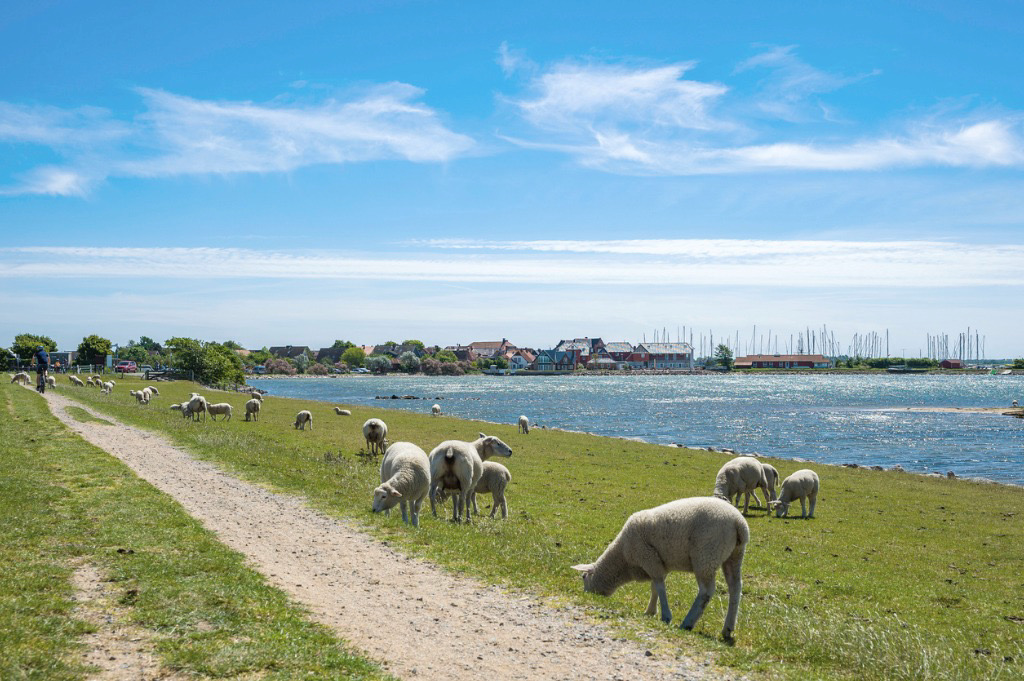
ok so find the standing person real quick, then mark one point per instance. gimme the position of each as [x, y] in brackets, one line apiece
[42, 359]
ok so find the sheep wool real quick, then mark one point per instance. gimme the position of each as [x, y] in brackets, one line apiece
[741, 475]
[375, 432]
[801, 485]
[302, 418]
[524, 425]
[252, 409]
[404, 480]
[696, 535]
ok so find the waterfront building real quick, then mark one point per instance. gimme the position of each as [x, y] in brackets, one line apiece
[783, 362]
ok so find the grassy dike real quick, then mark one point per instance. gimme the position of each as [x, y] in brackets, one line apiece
[64, 502]
[899, 577]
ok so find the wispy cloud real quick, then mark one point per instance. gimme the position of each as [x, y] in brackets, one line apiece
[649, 120]
[641, 263]
[179, 135]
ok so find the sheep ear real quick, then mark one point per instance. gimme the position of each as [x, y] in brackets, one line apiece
[395, 493]
[583, 568]
[482, 435]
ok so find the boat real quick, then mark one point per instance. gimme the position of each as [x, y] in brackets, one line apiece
[904, 369]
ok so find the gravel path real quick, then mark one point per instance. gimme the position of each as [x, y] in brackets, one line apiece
[415, 618]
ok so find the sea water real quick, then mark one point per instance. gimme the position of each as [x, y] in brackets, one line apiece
[828, 418]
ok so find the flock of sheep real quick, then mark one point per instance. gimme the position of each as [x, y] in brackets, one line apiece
[698, 535]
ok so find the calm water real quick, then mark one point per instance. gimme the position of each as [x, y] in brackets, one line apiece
[828, 418]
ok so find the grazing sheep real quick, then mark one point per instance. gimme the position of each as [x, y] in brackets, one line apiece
[141, 396]
[152, 389]
[342, 412]
[256, 395]
[435, 410]
[219, 409]
[524, 425]
[404, 480]
[177, 407]
[302, 418]
[88, 381]
[51, 381]
[108, 387]
[195, 406]
[741, 475]
[375, 432]
[696, 535]
[458, 465]
[771, 477]
[21, 377]
[252, 408]
[75, 380]
[494, 478]
[803, 483]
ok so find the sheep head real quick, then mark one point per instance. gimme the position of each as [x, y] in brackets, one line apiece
[493, 446]
[781, 507]
[385, 497]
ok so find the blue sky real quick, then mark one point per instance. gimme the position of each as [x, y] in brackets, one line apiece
[453, 172]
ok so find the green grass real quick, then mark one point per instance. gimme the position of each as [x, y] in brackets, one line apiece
[899, 577]
[79, 414]
[63, 502]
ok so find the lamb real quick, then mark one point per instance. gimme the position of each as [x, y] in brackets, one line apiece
[75, 380]
[771, 477]
[152, 389]
[256, 395]
[302, 418]
[252, 408]
[493, 479]
[696, 535]
[524, 425]
[141, 396]
[108, 387]
[435, 410]
[177, 407]
[88, 381]
[51, 381]
[20, 377]
[803, 483]
[404, 480]
[342, 412]
[219, 409]
[375, 432]
[740, 475]
[458, 465]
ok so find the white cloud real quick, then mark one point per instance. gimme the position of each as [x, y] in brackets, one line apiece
[646, 120]
[180, 135]
[636, 263]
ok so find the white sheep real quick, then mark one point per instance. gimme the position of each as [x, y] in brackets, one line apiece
[435, 410]
[456, 465]
[524, 425]
[342, 412]
[404, 480]
[375, 432]
[177, 407]
[152, 389]
[108, 387]
[21, 377]
[75, 380]
[196, 405]
[802, 484]
[302, 418]
[771, 478]
[51, 381]
[256, 395]
[141, 396]
[219, 409]
[494, 478]
[696, 535]
[741, 475]
[88, 381]
[252, 408]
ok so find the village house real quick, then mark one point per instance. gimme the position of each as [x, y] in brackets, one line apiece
[951, 364]
[661, 356]
[490, 349]
[783, 362]
[463, 353]
[554, 360]
[290, 351]
[521, 359]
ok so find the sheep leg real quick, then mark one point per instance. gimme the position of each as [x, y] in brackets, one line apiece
[705, 590]
[504, 507]
[746, 501]
[658, 587]
[814, 500]
[652, 605]
[757, 499]
[414, 512]
[405, 514]
[803, 508]
[734, 580]
[433, 502]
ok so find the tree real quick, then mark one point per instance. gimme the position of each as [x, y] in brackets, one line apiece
[446, 357]
[318, 369]
[451, 369]
[149, 345]
[135, 353]
[342, 345]
[378, 364]
[261, 356]
[723, 355]
[353, 357]
[210, 363]
[232, 345]
[409, 361]
[430, 366]
[417, 343]
[93, 350]
[25, 344]
[1018, 363]
[302, 362]
[276, 365]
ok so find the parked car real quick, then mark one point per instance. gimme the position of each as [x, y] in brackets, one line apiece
[126, 366]
[145, 367]
[361, 370]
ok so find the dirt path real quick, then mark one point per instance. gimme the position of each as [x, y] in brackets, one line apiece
[414, 617]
